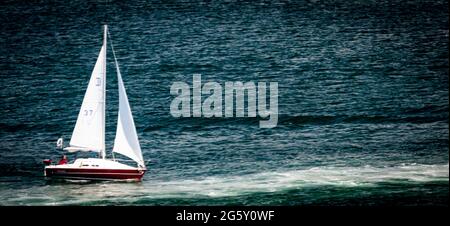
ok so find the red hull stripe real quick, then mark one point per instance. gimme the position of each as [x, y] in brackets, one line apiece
[100, 174]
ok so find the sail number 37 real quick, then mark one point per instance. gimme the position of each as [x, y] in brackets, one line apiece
[88, 112]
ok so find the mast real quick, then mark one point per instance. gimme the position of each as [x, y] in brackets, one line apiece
[103, 152]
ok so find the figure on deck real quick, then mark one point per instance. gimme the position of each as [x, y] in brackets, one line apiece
[63, 160]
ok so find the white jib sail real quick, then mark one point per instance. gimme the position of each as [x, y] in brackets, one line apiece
[89, 131]
[126, 141]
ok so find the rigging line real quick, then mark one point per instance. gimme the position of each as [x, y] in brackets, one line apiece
[112, 48]
[117, 69]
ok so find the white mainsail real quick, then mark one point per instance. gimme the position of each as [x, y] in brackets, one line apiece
[89, 131]
[126, 141]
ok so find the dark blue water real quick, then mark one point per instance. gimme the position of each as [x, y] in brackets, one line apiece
[363, 100]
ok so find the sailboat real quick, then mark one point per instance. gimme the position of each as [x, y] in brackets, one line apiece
[89, 133]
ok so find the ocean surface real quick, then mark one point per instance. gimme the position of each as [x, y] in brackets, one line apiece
[363, 100]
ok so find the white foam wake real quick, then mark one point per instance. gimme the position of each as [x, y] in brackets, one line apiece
[275, 181]
[215, 186]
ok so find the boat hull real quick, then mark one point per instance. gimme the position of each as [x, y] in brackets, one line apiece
[95, 174]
